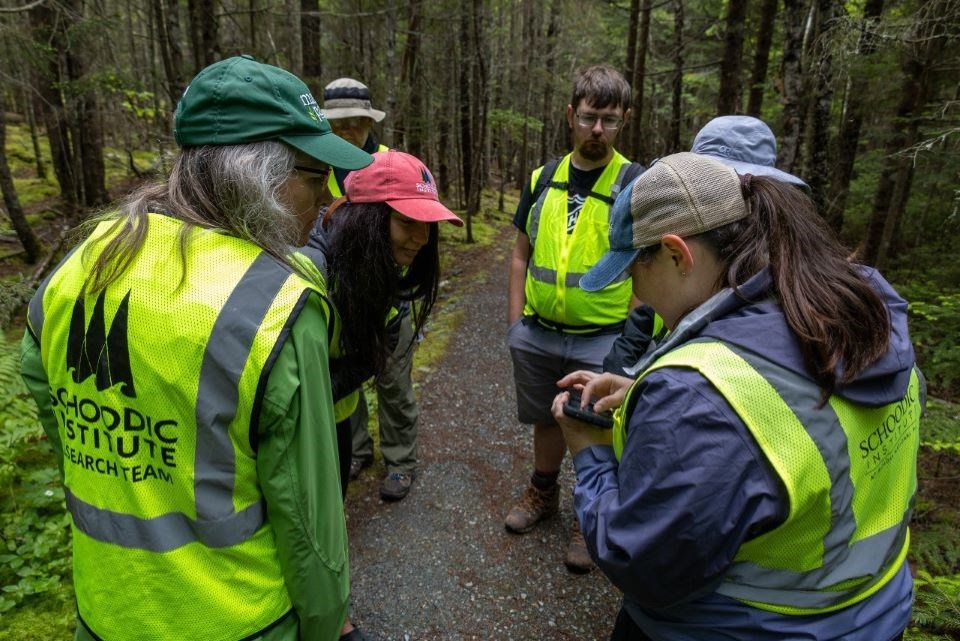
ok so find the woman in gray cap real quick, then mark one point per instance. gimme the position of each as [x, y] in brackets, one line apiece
[758, 480]
[748, 145]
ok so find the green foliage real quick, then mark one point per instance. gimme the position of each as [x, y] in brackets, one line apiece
[940, 427]
[935, 329]
[513, 122]
[13, 295]
[30, 189]
[937, 551]
[34, 537]
[937, 606]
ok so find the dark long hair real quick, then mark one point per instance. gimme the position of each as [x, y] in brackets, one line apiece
[366, 281]
[840, 320]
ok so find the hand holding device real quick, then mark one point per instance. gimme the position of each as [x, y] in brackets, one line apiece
[586, 414]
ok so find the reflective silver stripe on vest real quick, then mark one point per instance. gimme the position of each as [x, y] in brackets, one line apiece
[535, 213]
[843, 560]
[35, 308]
[160, 534]
[618, 183]
[549, 276]
[217, 524]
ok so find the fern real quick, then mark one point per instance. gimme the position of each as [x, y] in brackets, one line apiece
[13, 296]
[35, 530]
[937, 606]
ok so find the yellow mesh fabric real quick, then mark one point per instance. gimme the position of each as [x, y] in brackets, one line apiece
[796, 545]
[876, 437]
[218, 593]
[574, 254]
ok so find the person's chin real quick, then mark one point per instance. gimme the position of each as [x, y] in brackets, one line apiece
[593, 150]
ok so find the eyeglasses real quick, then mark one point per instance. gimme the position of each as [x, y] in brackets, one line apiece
[589, 121]
[313, 170]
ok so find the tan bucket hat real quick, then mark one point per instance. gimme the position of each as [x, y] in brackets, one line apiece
[348, 98]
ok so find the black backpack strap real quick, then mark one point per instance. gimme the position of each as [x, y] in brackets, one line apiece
[626, 176]
[543, 180]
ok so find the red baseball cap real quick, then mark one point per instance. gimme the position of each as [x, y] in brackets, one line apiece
[401, 181]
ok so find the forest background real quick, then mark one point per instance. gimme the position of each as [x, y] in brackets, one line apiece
[864, 97]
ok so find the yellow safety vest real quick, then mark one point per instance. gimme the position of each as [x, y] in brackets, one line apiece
[156, 386]
[558, 260]
[849, 472]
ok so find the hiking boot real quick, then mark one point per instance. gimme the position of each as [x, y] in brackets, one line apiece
[397, 485]
[535, 506]
[577, 558]
[357, 465]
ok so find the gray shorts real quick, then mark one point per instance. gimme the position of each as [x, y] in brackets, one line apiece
[541, 357]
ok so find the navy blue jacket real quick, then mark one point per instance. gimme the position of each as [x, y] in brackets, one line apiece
[693, 485]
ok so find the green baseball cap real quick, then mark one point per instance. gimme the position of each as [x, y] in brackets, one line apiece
[240, 100]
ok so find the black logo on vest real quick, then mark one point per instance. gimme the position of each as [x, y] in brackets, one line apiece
[91, 350]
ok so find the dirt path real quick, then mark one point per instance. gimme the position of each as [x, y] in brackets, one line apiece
[439, 564]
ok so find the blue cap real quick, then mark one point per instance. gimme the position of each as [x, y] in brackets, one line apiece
[745, 143]
[621, 252]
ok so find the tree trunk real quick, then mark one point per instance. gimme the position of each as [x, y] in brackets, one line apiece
[310, 42]
[478, 117]
[466, 133]
[761, 57]
[632, 28]
[888, 203]
[166, 16]
[204, 30]
[898, 206]
[817, 170]
[47, 28]
[638, 140]
[409, 122]
[550, 61]
[30, 110]
[849, 137]
[390, 75]
[728, 98]
[31, 246]
[294, 38]
[673, 140]
[792, 124]
[87, 132]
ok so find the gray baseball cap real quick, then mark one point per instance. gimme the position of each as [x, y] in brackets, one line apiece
[684, 194]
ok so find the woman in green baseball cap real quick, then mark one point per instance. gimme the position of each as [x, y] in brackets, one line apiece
[198, 464]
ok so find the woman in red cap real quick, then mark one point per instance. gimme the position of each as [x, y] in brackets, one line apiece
[380, 249]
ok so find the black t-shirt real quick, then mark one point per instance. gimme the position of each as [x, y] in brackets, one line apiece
[580, 181]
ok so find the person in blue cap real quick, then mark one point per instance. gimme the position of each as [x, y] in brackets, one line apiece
[179, 361]
[748, 145]
[759, 477]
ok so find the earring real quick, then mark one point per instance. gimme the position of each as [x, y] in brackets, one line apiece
[683, 274]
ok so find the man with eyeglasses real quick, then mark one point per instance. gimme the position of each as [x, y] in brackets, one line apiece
[555, 327]
[347, 105]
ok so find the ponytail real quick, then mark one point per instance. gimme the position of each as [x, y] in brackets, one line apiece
[840, 321]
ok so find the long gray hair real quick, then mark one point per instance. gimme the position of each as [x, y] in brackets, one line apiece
[232, 188]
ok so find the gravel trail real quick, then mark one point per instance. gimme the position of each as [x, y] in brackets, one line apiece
[439, 564]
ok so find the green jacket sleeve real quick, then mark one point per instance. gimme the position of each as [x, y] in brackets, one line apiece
[299, 472]
[35, 378]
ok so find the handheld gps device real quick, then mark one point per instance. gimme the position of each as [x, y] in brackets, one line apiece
[586, 414]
